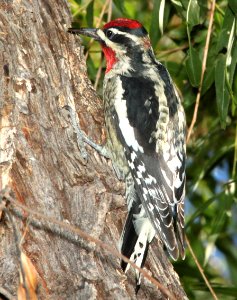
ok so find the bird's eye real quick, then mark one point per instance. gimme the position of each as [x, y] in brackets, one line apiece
[109, 34]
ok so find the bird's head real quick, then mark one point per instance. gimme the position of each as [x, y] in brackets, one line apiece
[120, 39]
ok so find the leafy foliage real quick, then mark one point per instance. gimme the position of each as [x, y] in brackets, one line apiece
[178, 30]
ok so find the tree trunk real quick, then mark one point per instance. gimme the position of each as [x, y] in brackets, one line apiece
[42, 70]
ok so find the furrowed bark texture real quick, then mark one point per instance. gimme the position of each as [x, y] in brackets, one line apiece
[42, 69]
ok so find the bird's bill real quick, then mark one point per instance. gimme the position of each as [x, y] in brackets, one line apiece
[91, 32]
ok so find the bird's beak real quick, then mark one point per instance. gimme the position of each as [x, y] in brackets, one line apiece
[91, 32]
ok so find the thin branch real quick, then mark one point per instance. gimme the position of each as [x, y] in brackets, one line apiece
[201, 269]
[43, 219]
[102, 13]
[81, 8]
[5, 293]
[171, 51]
[204, 63]
[109, 11]
[18, 249]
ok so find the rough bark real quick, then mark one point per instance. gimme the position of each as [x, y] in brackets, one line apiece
[43, 69]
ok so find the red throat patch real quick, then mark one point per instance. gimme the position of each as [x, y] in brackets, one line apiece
[110, 58]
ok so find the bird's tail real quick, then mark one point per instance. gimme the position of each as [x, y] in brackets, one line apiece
[135, 238]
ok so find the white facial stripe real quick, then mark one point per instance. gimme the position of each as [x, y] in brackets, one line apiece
[113, 45]
[101, 34]
[131, 36]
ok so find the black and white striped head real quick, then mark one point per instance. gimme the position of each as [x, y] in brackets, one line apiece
[119, 39]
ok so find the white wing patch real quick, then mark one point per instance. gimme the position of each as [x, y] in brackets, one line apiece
[126, 129]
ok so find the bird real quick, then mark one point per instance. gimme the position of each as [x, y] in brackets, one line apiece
[146, 134]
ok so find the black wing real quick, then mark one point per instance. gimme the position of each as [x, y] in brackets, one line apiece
[151, 127]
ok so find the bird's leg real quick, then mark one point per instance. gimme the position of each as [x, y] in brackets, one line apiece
[82, 137]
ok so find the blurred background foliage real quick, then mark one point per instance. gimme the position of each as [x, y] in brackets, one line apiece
[178, 31]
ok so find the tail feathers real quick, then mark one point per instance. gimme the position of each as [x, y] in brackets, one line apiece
[135, 246]
[129, 234]
[138, 256]
[180, 229]
[137, 233]
[178, 248]
[138, 275]
[128, 240]
[181, 241]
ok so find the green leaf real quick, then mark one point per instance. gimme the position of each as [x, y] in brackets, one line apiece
[90, 14]
[232, 77]
[200, 211]
[218, 288]
[154, 31]
[120, 6]
[208, 79]
[177, 3]
[222, 95]
[180, 7]
[232, 67]
[203, 169]
[161, 16]
[178, 33]
[193, 67]
[185, 3]
[193, 13]
[233, 6]
[225, 30]
[225, 290]
[231, 53]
